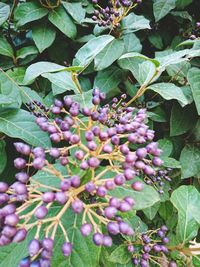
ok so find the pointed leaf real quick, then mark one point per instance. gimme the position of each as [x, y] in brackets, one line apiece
[4, 12]
[43, 36]
[162, 7]
[59, 18]
[21, 124]
[194, 81]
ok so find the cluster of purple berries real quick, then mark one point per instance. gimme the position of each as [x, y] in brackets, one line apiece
[113, 12]
[99, 139]
[152, 243]
[195, 32]
[41, 251]
[37, 108]
[159, 179]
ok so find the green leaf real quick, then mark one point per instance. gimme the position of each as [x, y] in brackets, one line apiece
[182, 3]
[3, 156]
[37, 69]
[109, 79]
[120, 255]
[144, 199]
[169, 91]
[59, 18]
[166, 146]
[109, 54]
[46, 178]
[162, 7]
[4, 12]
[179, 71]
[28, 95]
[10, 89]
[21, 124]
[143, 68]
[26, 51]
[91, 49]
[62, 80]
[5, 47]
[186, 200]
[85, 253]
[75, 10]
[182, 119]
[190, 160]
[182, 14]
[132, 43]
[43, 36]
[152, 211]
[134, 23]
[27, 12]
[194, 81]
[171, 163]
[11, 255]
[17, 74]
[156, 40]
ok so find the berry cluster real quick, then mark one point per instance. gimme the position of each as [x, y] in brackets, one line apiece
[113, 13]
[37, 108]
[149, 246]
[195, 32]
[99, 141]
[159, 179]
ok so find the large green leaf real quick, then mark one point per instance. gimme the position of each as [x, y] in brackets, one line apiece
[120, 255]
[144, 69]
[182, 3]
[3, 156]
[63, 22]
[91, 49]
[144, 199]
[109, 79]
[109, 54]
[186, 200]
[75, 10]
[12, 254]
[194, 80]
[4, 12]
[43, 36]
[182, 119]
[5, 47]
[190, 160]
[166, 146]
[132, 43]
[27, 12]
[62, 80]
[10, 89]
[134, 23]
[21, 124]
[162, 7]
[169, 91]
[37, 69]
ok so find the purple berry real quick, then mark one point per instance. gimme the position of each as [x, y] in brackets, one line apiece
[67, 249]
[75, 181]
[61, 197]
[3, 187]
[107, 241]
[86, 229]
[98, 239]
[20, 236]
[34, 247]
[47, 243]
[41, 212]
[19, 163]
[110, 212]
[77, 206]
[90, 187]
[137, 186]
[12, 219]
[48, 197]
[38, 163]
[101, 191]
[113, 228]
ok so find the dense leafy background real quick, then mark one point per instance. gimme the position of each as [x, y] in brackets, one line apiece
[47, 52]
